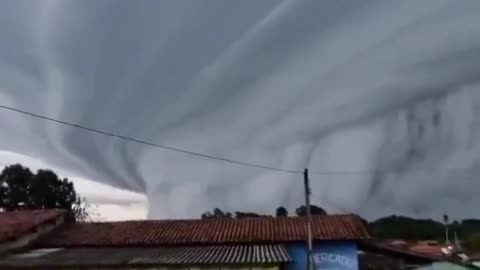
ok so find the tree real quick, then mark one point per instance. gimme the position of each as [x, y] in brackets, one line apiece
[206, 215]
[314, 210]
[248, 215]
[22, 189]
[472, 242]
[281, 212]
[217, 213]
[407, 228]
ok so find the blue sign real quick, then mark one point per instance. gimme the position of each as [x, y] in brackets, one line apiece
[336, 256]
[328, 255]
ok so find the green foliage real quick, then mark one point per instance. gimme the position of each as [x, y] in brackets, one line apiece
[397, 227]
[472, 241]
[314, 210]
[406, 228]
[247, 215]
[218, 213]
[22, 189]
[281, 212]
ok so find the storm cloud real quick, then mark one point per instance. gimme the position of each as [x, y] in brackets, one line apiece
[380, 99]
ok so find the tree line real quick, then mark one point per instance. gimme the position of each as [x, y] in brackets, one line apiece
[280, 212]
[20, 188]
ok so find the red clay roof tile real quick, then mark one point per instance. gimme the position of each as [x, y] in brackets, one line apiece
[14, 224]
[421, 249]
[210, 231]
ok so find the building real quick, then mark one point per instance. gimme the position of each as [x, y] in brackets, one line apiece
[46, 240]
[420, 255]
[398, 254]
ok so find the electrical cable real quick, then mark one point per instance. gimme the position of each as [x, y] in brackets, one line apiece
[242, 163]
[232, 161]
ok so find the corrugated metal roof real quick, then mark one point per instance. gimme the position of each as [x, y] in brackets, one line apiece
[211, 231]
[237, 254]
[192, 256]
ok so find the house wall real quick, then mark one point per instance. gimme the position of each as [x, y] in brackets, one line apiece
[338, 255]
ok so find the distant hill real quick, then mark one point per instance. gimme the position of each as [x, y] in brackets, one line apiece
[398, 227]
[419, 229]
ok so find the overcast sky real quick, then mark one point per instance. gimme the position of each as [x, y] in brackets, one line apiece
[379, 98]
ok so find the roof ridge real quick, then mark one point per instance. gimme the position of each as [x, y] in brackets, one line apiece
[220, 219]
[46, 210]
[206, 231]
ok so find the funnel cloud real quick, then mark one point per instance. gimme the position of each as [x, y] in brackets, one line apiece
[379, 99]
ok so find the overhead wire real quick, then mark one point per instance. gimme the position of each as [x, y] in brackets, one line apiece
[218, 158]
[227, 160]
[166, 147]
[384, 171]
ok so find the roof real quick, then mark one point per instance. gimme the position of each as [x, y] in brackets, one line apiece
[111, 257]
[14, 224]
[209, 231]
[417, 250]
[223, 254]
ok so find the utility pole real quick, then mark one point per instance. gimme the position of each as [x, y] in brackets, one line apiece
[445, 221]
[309, 220]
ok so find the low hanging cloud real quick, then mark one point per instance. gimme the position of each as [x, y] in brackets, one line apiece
[380, 99]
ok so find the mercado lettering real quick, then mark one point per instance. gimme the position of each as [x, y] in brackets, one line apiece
[333, 258]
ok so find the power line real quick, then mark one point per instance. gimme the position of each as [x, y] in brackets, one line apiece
[384, 171]
[237, 162]
[126, 138]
